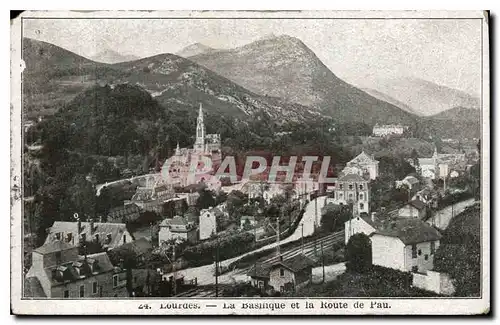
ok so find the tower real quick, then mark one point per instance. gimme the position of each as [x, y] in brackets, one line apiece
[199, 145]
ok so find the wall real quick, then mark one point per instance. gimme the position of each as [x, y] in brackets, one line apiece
[207, 225]
[276, 281]
[357, 225]
[419, 261]
[409, 211]
[439, 283]
[388, 252]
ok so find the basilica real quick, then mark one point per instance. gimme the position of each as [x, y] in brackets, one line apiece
[206, 154]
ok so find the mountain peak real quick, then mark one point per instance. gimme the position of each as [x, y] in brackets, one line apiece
[194, 49]
[110, 56]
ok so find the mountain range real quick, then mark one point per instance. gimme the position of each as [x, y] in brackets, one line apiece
[279, 75]
[423, 97]
[284, 67]
[194, 49]
[110, 56]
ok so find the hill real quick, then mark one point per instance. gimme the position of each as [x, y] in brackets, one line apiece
[194, 49]
[285, 67]
[424, 97]
[54, 76]
[459, 113]
[110, 56]
[178, 83]
[389, 99]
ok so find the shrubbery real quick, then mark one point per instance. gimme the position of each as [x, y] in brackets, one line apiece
[359, 253]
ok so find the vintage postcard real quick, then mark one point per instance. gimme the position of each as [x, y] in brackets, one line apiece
[250, 163]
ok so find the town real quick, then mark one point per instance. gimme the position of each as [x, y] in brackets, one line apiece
[298, 229]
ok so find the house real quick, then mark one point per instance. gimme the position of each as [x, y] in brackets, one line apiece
[58, 271]
[351, 188]
[428, 196]
[406, 244]
[413, 209]
[440, 165]
[177, 228]
[247, 220]
[366, 163]
[284, 275]
[108, 235]
[123, 214]
[411, 182]
[208, 222]
[388, 129]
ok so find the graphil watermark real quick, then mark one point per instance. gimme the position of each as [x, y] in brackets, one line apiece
[196, 168]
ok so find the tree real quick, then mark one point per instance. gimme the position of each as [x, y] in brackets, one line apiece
[206, 200]
[334, 216]
[359, 253]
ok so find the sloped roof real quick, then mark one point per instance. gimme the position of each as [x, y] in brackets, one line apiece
[417, 204]
[411, 179]
[33, 288]
[351, 178]
[54, 246]
[410, 231]
[116, 230]
[259, 270]
[136, 248]
[363, 158]
[296, 263]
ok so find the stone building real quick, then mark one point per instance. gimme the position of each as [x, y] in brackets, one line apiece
[58, 271]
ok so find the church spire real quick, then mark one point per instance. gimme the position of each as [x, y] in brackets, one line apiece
[199, 145]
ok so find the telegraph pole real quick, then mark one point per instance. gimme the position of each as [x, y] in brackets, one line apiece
[278, 235]
[217, 269]
[323, 261]
[302, 238]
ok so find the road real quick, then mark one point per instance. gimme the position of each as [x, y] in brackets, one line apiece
[442, 218]
[310, 219]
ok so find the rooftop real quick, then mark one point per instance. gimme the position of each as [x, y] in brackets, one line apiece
[408, 230]
[51, 247]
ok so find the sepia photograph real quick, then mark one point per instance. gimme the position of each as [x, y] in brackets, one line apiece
[250, 163]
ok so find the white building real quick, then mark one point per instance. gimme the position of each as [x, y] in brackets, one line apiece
[351, 188]
[405, 244]
[108, 235]
[365, 163]
[208, 222]
[177, 228]
[411, 182]
[388, 129]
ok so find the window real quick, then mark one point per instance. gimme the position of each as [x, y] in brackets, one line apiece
[361, 206]
[69, 237]
[58, 236]
[260, 284]
[84, 237]
[96, 238]
[419, 252]
[340, 186]
[361, 196]
[350, 187]
[413, 251]
[115, 280]
[350, 196]
[361, 186]
[66, 294]
[426, 257]
[282, 272]
[82, 291]
[124, 239]
[433, 247]
[282, 289]
[414, 268]
[94, 287]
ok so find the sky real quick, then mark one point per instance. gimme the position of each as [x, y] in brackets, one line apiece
[362, 52]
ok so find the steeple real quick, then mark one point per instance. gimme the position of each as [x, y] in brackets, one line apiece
[199, 145]
[435, 152]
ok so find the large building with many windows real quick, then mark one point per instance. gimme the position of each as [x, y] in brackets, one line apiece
[57, 271]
